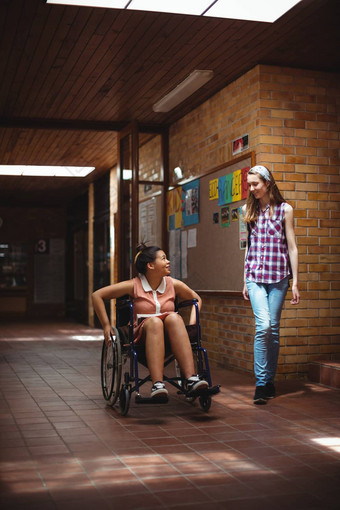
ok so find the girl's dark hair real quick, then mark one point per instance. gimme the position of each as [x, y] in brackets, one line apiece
[144, 255]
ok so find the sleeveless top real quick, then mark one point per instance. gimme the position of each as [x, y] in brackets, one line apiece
[149, 303]
[267, 259]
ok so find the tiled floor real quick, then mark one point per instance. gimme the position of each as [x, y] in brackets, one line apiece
[62, 448]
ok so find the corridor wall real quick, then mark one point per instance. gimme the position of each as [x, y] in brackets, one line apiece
[292, 119]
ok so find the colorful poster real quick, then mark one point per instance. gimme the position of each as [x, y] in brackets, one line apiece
[229, 188]
[170, 210]
[174, 208]
[236, 186]
[178, 207]
[225, 216]
[213, 189]
[235, 214]
[221, 190]
[244, 184]
[190, 198]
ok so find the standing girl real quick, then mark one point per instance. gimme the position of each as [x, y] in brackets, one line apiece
[271, 259]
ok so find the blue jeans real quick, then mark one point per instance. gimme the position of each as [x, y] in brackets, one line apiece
[267, 301]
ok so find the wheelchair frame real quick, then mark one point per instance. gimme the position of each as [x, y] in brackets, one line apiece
[123, 347]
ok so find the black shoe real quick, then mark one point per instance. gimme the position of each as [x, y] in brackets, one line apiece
[260, 397]
[270, 390]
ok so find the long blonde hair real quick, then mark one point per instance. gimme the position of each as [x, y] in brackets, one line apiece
[275, 197]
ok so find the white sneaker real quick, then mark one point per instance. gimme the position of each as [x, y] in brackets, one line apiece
[195, 383]
[159, 390]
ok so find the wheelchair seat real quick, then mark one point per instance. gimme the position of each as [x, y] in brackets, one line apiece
[119, 384]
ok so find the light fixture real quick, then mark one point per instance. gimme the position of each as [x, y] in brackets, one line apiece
[175, 6]
[46, 171]
[127, 174]
[250, 10]
[110, 4]
[178, 172]
[186, 88]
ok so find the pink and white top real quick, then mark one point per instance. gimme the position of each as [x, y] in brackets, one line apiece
[150, 303]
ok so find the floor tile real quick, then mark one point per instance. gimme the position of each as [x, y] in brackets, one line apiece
[62, 447]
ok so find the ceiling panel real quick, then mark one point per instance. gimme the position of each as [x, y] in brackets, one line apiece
[72, 76]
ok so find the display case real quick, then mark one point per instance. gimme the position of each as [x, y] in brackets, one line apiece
[13, 266]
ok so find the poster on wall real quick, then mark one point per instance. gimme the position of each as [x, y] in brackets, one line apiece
[244, 183]
[175, 253]
[213, 189]
[184, 254]
[240, 144]
[190, 199]
[225, 216]
[174, 208]
[242, 230]
[149, 224]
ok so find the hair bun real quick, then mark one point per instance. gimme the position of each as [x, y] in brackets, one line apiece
[141, 246]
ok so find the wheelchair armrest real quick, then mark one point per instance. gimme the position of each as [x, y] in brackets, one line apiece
[189, 302]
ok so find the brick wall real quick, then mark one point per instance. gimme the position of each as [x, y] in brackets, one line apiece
[292, 118]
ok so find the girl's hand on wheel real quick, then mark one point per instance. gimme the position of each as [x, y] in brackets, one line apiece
[108, 331]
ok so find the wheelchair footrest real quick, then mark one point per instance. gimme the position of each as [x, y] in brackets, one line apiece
[204, 392]
[161, 399]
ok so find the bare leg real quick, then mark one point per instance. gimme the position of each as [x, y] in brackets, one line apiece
[154, 347]
[180, 343]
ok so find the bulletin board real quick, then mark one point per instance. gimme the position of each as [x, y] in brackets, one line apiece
[216, 263]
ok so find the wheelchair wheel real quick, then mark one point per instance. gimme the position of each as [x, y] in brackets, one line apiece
[205, 402]
[124, 400]
[111, 368]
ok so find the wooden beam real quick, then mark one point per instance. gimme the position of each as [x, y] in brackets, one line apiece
[61, 124]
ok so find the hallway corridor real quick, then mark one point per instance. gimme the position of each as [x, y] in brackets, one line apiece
[62, 448]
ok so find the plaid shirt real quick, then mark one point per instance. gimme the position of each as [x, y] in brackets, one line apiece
[267, 258]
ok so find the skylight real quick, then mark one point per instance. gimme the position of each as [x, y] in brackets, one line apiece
[250, 10]
[46, 171]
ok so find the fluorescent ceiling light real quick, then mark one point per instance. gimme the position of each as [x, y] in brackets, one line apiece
[250, 10]
[46, 171]
[111, 4]
[193, 82]
[174, 6]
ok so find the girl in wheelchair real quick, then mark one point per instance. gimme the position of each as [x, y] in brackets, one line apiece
[154, 293]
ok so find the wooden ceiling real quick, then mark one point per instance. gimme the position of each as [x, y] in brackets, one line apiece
[71, 77]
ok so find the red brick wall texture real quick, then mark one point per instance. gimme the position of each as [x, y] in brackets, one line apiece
[292, 118]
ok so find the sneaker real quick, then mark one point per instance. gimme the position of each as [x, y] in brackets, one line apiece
[159, 390]
[270, 390]
[195, 383]
[260, 396]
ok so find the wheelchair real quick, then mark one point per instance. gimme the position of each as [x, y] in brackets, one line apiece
[120, 359]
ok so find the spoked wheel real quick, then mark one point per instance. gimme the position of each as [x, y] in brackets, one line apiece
[205, 402]
[111, 368]
[124, 400]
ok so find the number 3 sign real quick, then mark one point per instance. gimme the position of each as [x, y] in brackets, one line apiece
[42, 246]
